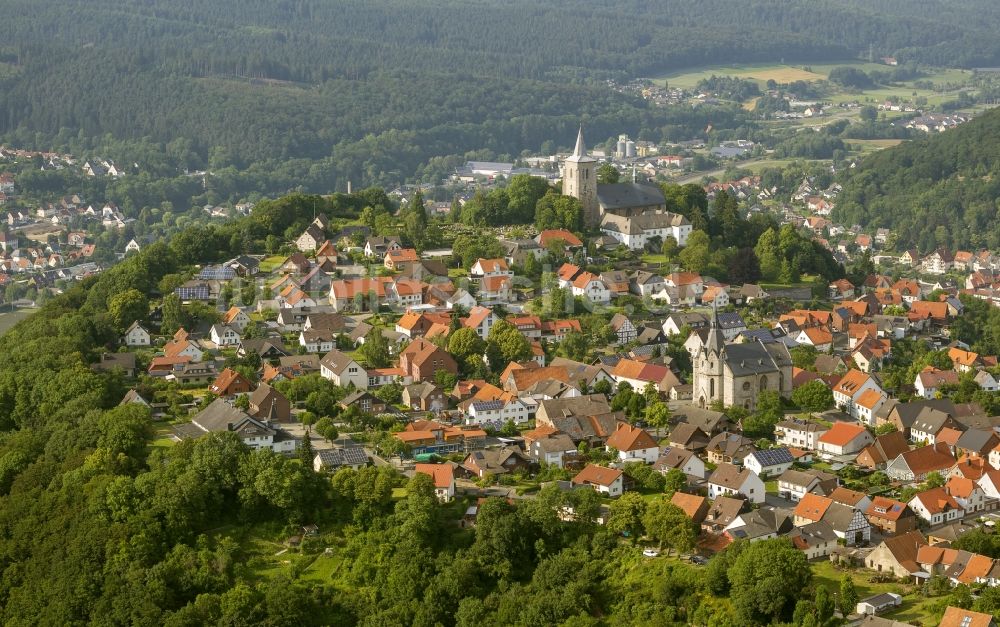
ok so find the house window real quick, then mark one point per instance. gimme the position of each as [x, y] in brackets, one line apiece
[746, 386]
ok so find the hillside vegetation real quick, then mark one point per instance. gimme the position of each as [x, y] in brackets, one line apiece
[937, 191]
[373, 90]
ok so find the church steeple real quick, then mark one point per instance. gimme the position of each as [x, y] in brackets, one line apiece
[715, 340]
[581, 148]
[580, 181]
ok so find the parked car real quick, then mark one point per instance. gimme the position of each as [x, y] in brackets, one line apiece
[650, 553]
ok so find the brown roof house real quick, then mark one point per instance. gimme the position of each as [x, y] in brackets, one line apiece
[696, 507]
[608, 481]
[421, 360]
[883, 450]
[633, 444]
[891, 517]
[267, 403]
[424, 396]
[229, 383]
[489, 462]
[915, 465]
[728, 480]
[897, 555]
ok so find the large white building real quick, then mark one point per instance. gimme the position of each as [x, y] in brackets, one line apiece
[636, 231]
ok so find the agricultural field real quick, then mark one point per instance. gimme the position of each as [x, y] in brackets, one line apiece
[812, 72]
[760, 72]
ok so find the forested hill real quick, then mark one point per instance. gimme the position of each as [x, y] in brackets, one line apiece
[938, 191]
[378, 88]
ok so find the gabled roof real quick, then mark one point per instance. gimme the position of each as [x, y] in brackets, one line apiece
[887, 447]
[890, 509]
[691, 504]
[813, 507]
[443, 474]
[629, 438]
[957, 617]
[851, 382]
[597, 475]
[730, 476]
[842, 433]
[937, 500]
[928, 459]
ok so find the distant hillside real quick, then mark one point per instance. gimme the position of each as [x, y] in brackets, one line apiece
[939, 191]
[372, 91]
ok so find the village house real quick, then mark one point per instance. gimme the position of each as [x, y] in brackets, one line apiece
[848, 523]
[850, 388]
[769, 462]
[799, 434]
[332, 460]
[136, 335]
[914, 465]
[230, 383]
[675, 457]
[891, 517]
[421, 360]
[607, 481]
[794, 484]
[897, 555]
[491, 462]
[343, 370]
[883, 450]
[443, 476]
[729, 480]
[936, 507]
[633, 445]
[844, 438]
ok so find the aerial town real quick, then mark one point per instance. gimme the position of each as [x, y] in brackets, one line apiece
[760, 411]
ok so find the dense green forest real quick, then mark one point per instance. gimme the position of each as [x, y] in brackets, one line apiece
[372, 91]
[938, 191]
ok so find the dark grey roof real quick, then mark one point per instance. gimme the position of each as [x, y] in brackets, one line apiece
[930, 420]
[730, 320]
[705, 419]
[908, 412]
[974, 439]
[556, 443]
[646, 350]
[773, 456]
[221, 416]
[487, 405]
[814, 533]
[839, 516]
[626, 195]
[797, 478]
[755, 358]
[217, 273]
[334, 458]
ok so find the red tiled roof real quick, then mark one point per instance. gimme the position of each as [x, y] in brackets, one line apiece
[841, 433]
[443, 474]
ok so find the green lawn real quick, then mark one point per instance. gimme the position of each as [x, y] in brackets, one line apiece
[915, 606]
[323, 568]
[268, 264]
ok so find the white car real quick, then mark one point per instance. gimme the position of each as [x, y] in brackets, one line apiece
[650, 553]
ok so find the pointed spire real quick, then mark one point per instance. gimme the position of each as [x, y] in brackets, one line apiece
[715, 342]
[580, 149]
